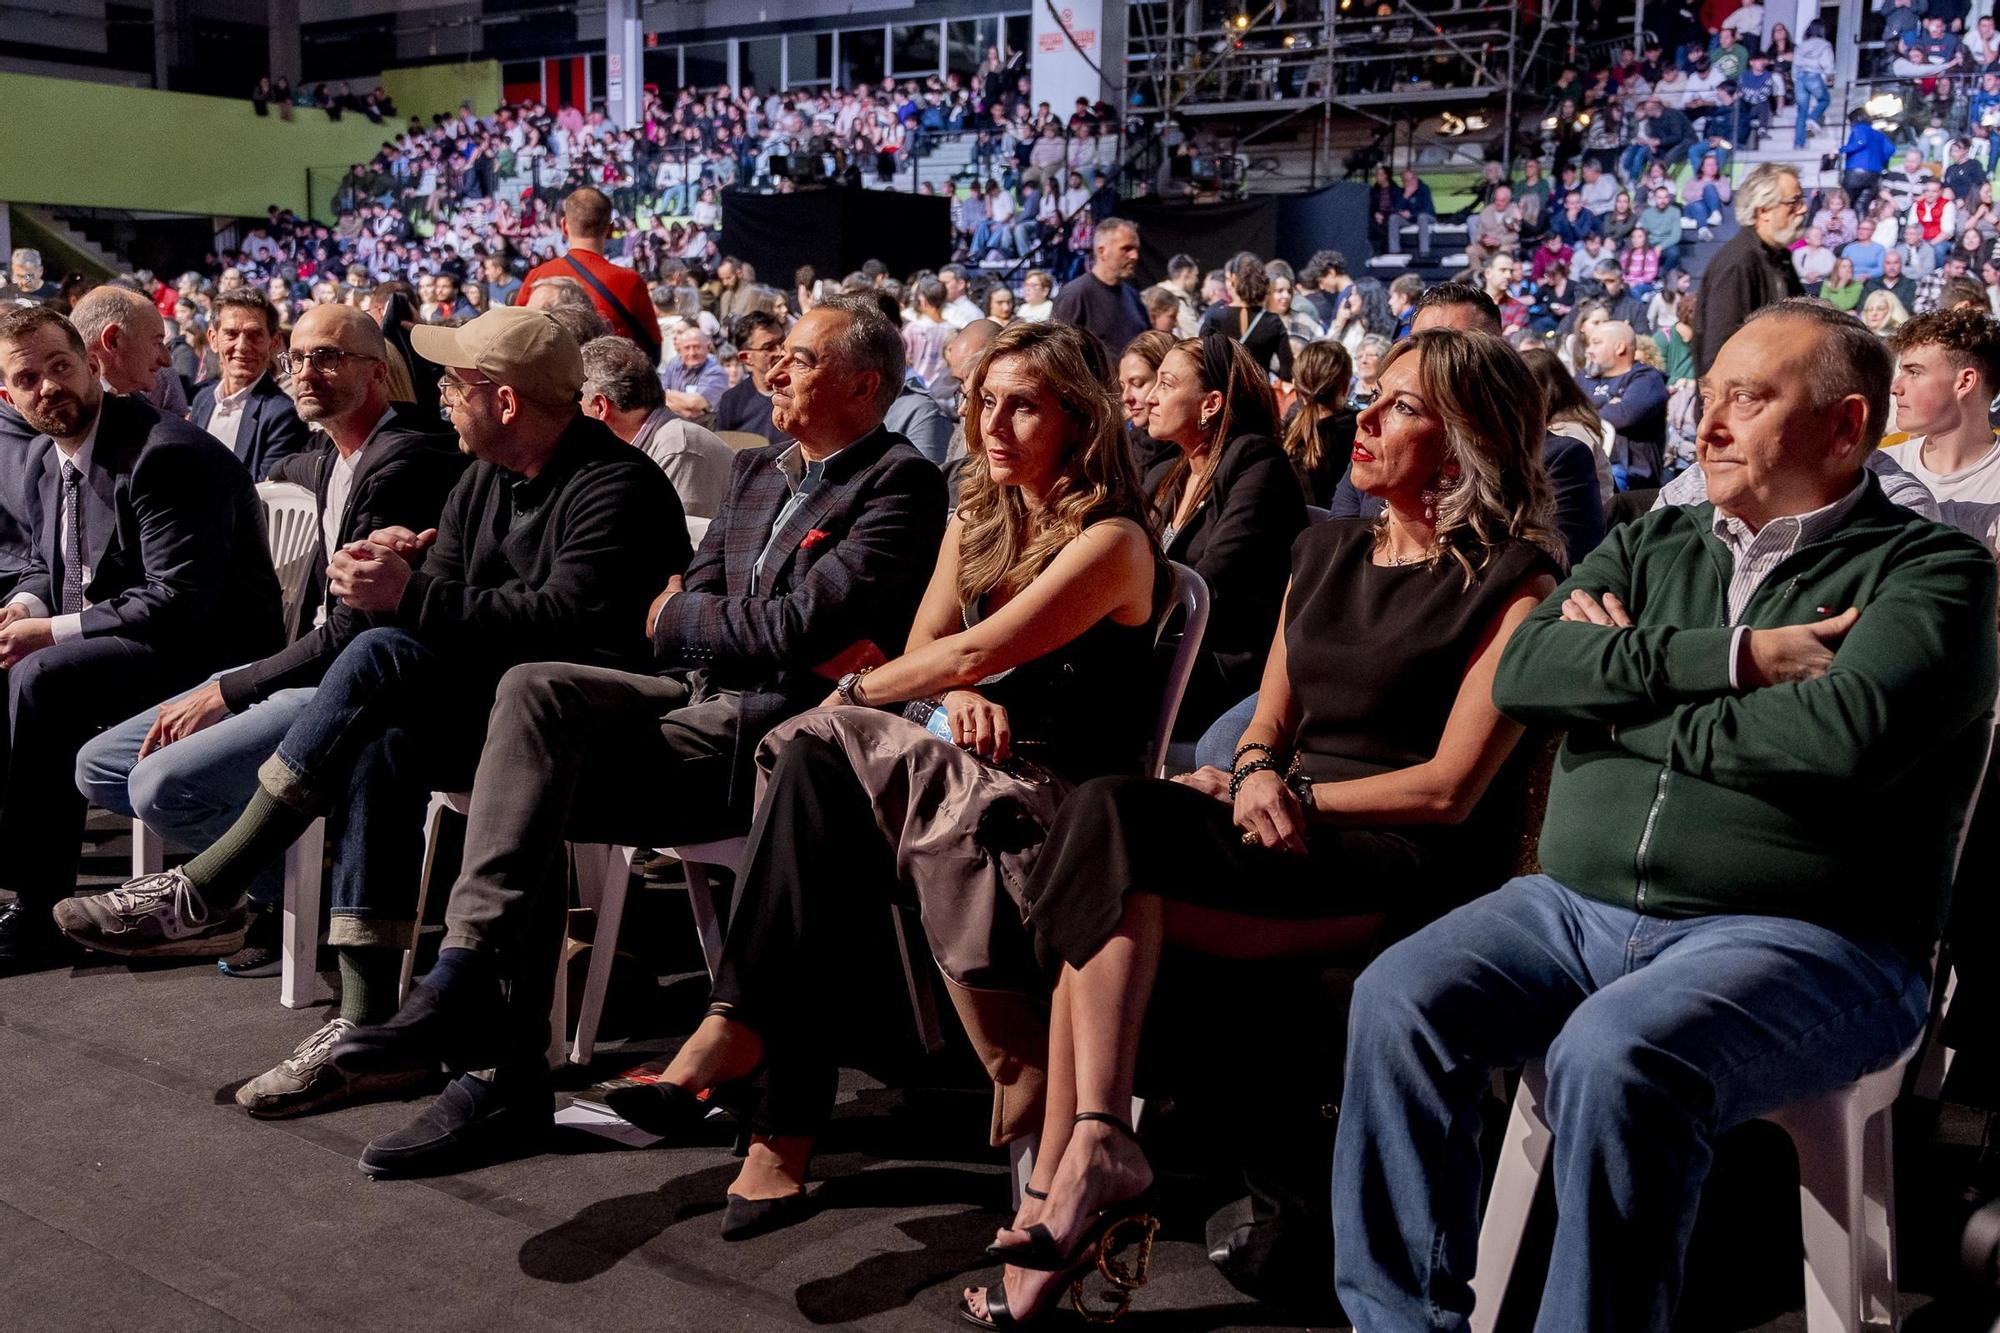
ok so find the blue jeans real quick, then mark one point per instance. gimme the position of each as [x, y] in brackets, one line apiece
[1632, 163]
[190, 792]
[991, 235]
[391, 722]
[1813, 102]
[1217, 745]
[1706, 209]
[1658, 1036]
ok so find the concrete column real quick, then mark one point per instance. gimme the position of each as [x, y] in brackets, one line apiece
[281, 17]
[167, 16]
[624, 61]
[6, 230]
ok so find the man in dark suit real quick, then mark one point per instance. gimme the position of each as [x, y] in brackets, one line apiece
[21, 449]
[189, 766]
[814, 567]
[245, 408]
[548, 549]
[149, 571]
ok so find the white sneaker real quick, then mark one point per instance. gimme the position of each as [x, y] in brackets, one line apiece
[306, 1080]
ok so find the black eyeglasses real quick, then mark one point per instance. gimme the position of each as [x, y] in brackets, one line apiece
[322, 360]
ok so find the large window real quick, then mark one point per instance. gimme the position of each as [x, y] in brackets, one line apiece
[705, 65]
[861, 57]
[966, 41]
[760, 63]
[809, 57]
[1020, 32]
[913, 49]
[663, 70]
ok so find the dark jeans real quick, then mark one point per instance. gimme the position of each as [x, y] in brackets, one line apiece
[587, 754]
[809, 929]
[391, 723]
[1658, 1036]
[57, 699]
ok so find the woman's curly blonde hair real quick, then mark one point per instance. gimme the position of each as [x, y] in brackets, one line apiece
[1494, 421]
[1003, 541]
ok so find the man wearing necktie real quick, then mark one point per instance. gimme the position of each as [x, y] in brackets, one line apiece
[148, 572]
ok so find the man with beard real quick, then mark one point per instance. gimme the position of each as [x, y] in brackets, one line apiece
[149, 572]
[1754, 269]
[189, 766]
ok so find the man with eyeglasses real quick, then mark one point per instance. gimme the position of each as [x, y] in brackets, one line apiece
[189, 766]
[1754, 269]
[746, 406]
[147, 572]
[549, 548]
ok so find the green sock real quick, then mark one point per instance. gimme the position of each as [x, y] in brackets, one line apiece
[222, 874]
[368, 981]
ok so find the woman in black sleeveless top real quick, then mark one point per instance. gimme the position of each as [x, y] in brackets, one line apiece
[932, 777]
[1375, 737]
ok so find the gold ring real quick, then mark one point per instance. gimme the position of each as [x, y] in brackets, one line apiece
[1250, 838]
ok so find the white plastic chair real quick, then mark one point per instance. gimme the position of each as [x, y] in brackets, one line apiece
[291, 526]
[1844, 1140]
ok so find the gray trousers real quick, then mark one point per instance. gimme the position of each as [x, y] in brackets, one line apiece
[586, 754]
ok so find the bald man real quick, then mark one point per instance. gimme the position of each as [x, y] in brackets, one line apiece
[127, 342]
[1632, 397]
[189, 766]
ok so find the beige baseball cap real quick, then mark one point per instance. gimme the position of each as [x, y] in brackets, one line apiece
[510, 345]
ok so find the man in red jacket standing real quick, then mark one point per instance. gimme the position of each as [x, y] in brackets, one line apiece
[618, 293]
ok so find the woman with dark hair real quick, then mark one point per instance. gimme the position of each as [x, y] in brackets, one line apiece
[1356, 800]
[1571, 413]
[1319, 435]
[1364, 309]
[931, 776]
[1229, 504]
[1245, 319]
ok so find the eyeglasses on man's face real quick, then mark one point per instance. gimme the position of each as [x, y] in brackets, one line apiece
[320, 360]
[452, 390]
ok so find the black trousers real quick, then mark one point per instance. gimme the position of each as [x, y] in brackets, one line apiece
[57, 699]
[809, 948]
[586, 754]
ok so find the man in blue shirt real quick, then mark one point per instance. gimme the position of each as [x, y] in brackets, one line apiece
[1412, 205]
[1864, 155]
[1866, 256]
[694, 380]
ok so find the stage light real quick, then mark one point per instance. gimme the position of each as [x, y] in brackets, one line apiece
[1548, 122]
[1884, 106]
[1476, 122]
[1449, 125]
[1241, 21]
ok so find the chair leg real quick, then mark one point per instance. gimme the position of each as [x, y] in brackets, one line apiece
[923, 1000]
[616, 883]
[299, 984]
[1524, 1153]
[1827, 1135]
[433, 825]
[148, 851]
[1878, 1195]
[1934, 1065]
[701, 902]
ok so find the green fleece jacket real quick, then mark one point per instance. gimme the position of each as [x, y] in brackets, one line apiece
[1837, 800]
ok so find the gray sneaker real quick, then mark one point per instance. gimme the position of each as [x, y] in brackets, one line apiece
[307, 1081]
[153, 916]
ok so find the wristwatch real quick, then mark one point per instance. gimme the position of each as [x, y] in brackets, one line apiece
[849, 685]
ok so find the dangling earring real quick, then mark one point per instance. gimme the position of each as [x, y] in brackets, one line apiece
[1443, 486]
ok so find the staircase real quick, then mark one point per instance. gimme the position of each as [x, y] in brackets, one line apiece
[85, 252]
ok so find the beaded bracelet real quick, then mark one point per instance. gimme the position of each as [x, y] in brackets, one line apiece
[1247, 771]
[1246, 748]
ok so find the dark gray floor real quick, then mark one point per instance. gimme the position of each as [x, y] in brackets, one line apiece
[134, 1196]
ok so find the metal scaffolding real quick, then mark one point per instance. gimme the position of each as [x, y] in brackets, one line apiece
[1397, 63]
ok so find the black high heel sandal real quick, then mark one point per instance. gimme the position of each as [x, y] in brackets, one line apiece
[1120, 1279]
[1042, 1254]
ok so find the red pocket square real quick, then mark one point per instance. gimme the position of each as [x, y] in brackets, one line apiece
[814, 538]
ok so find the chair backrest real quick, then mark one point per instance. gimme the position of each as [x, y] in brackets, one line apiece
[739, 440]
[291, 522]
[1190, 593]
[1315, 514]
[697, 529]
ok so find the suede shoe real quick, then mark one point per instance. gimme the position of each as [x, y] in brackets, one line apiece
[307, 1081]
[471, 1123]
[432, 1028]
[30, 942]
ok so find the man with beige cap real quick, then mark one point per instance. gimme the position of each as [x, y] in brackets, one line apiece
[550, 548]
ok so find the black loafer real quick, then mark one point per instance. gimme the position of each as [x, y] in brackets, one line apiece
[471, 1123]
[431, 1029]
[30, 942]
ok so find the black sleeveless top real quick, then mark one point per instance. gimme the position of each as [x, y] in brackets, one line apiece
[1087, 709]
[1376, 652]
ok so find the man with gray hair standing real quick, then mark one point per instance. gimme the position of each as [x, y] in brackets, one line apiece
[621, 389]
[1754, 269]
[28, 287]
[1102, 300]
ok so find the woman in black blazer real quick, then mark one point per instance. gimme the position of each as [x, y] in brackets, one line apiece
[1229, 506]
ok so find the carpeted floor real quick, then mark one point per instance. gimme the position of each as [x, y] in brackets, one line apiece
[133, 1195]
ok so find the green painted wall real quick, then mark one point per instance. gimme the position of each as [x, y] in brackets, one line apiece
[178, 153]
[427, 90]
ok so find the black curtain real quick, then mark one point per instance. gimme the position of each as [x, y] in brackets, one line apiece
[835, 230]
[1289, 227]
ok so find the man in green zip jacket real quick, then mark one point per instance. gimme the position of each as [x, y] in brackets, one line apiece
[1726, 924]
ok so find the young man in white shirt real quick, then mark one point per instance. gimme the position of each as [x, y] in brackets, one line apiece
[1947, 371]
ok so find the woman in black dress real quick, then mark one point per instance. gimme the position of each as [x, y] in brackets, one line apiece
[1374, 739]
[1229, 505]
[1246, 320]
[1016, 684]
